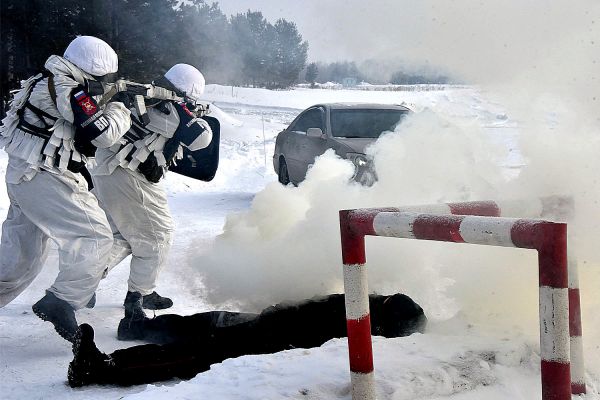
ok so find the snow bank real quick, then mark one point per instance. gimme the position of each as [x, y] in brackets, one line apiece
[419, 367]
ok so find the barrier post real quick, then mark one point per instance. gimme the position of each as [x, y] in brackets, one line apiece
[548, 238]
[559, 208]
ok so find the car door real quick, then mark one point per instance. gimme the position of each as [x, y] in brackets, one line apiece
[315, 146]
[299, 151]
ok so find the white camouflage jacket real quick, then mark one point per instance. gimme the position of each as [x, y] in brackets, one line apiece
[77, 117]
[150, 140]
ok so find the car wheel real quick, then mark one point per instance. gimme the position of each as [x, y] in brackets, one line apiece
[284, 177]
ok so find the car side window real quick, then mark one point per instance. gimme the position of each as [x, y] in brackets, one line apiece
[313, 118]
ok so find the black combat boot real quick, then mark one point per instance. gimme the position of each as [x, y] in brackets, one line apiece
[132, 329]
[60, 313]
[135, 365]
[133, 306]
[89, 364]
[153, 363]
[155, 301]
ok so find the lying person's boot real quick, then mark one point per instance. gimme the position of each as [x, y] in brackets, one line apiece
[132, 329]
[92, 302]
[60, 313]
[133, 306]
[153, 363]
[136, 365]
[155, 301]
[89, 364]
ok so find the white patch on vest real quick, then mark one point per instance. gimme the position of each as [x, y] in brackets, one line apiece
[191, 122]
[101, 123]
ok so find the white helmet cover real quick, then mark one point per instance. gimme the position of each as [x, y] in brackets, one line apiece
[187, 79]
[92, 55]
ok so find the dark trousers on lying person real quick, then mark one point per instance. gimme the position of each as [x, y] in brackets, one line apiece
[183, 346]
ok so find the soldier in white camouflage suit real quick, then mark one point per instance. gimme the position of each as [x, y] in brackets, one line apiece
[127, 182]
[53, 126]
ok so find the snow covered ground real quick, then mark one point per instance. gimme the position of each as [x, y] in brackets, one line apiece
[458, 359]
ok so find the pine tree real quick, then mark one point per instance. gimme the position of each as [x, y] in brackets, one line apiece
[290, 53]
[251, 36]
[150, 36]
[312, 71]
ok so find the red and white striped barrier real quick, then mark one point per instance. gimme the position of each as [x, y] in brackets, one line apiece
[556, 208]
[548, 238]
[575, 330]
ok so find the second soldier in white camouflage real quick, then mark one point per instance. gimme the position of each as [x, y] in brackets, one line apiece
[127, 183]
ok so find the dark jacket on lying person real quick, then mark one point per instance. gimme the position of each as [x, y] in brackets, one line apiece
[184, 346]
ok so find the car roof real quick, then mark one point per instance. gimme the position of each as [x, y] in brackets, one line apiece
[363, 106]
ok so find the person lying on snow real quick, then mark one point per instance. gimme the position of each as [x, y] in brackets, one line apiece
[183, 346]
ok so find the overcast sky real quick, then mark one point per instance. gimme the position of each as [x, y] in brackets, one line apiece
[335, 29]
[480, 40]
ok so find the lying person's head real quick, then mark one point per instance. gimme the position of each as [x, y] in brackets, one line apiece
[395, 315]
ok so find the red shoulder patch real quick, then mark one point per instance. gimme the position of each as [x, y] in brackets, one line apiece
[87, 104]
[186, 110]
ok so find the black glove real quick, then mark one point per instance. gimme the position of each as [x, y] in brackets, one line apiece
[94, 88]
[123, 97]
[151, 170]
[84, 146]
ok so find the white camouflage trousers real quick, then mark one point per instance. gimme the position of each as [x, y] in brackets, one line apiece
[141, 222]
[58, 208]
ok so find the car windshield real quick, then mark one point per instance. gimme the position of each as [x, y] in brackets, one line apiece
[364, 123]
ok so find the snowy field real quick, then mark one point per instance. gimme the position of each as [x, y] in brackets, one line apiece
[233, 250]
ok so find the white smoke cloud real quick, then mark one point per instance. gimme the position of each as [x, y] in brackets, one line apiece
[540, 61]
[287, 244]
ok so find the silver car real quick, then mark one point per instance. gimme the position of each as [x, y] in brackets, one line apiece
[347, 128]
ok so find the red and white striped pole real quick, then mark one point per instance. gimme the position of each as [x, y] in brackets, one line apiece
[575, 330]
[358, 319]
[548, 238]
[555, 208]
[559, 208]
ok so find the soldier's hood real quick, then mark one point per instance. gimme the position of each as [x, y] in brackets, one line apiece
[59, 66]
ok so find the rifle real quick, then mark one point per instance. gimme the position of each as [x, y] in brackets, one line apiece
[139, 91]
